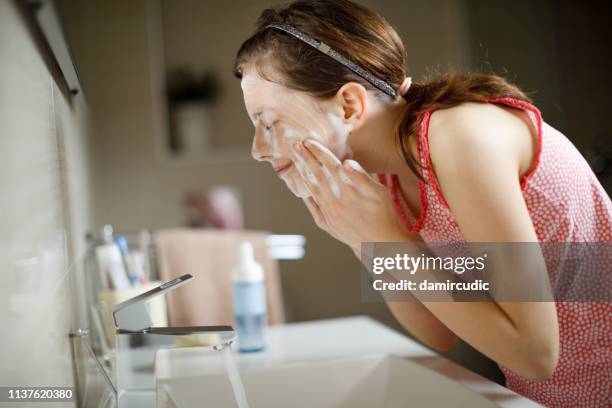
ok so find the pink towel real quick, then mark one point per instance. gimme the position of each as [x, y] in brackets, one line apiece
[210, 256]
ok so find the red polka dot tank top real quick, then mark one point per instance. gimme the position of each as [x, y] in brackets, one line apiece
[566, 203]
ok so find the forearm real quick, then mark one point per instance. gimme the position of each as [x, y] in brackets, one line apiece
[524, 347]
[420, 322]
[423, 325]
[511, 333]
[486, 327]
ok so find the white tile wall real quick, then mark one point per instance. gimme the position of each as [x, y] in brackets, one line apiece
[44, 211]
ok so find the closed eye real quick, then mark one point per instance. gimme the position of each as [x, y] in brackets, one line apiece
[257, 120]
[271, 125]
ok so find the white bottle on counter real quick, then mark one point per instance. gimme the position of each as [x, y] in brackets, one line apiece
[250, 309]
[110, 261]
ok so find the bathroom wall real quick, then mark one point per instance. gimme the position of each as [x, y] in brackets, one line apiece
[45, 207]
[557, 51]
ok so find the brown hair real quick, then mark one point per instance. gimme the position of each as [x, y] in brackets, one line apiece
[368, 40]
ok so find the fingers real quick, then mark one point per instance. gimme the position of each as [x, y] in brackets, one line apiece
[360, 179]
[323, 154]
[332, 167]
[329, 179]
[356, 171]
[317, 177]
[316, 212]
[302, 167]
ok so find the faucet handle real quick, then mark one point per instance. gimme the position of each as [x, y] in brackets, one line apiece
[186, 330]
[132, 315]
[202, 336]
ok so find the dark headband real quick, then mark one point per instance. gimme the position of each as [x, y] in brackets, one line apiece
[327, 50]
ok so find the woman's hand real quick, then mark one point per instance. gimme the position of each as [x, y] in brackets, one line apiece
[346, 201]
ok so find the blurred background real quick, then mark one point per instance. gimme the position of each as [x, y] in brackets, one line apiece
[158, 127]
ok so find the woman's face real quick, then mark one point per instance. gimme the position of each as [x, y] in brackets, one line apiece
[282, 117]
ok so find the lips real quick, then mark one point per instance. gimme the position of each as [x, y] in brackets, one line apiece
[283, 168]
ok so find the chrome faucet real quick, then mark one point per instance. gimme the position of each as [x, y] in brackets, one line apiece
[137, 344]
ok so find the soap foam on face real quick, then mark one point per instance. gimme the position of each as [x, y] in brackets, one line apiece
[341, 130]
[269, 133]
[292, 135]
[296, 116]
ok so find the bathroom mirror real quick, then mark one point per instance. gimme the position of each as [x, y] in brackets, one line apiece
[203, 114]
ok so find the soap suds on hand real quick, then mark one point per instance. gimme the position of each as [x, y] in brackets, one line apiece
[344, 178]
[333, 186]
[301, 164]
[355, 166]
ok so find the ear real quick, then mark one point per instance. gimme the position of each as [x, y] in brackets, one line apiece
[352, 98]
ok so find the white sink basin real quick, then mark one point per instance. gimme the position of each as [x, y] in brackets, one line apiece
[370, 381]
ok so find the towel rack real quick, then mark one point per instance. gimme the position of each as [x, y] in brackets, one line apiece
[286, 246]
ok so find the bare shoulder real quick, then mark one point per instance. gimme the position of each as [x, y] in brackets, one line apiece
[474, 130]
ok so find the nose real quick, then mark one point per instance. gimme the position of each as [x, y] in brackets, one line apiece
[260, 149]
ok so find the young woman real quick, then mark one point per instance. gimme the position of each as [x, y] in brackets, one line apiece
[462, 158]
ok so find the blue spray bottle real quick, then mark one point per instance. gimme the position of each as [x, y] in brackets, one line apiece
[249, 301]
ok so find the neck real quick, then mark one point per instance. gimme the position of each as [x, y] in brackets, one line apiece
[375, 145]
